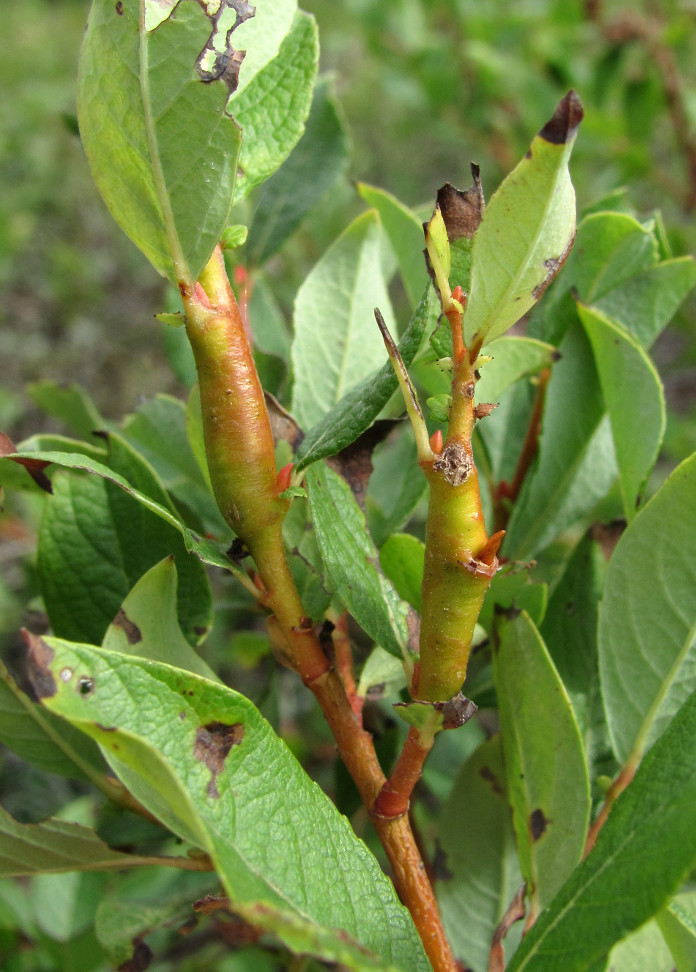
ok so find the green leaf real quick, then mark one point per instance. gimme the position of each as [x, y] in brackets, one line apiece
[576, 464]
[146, 624]
[337, 343]
[643, 951]
[526, 232]
[96, 541]
[396, 486]
[480, 870]
[647, 619]
[614, 268]
[648, 842]
[72, 405]
[512, 587]
[647, 302]
[634, 399]
[569, 629]
[356, 411]
[405, 233]
[547, 778]
[612, 249]
[351, 559]
[159, 431]
[43, 740]
[677, 923]
[513, 358]
[205, 550]
[205, 761]
[160, 144]
[316, 162]
[402, 558]
[382, 674]
[56, 846]
[273, 109]
[158, 898]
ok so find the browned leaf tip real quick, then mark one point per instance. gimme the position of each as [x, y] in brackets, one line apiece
[560, 128]
[462, 211]
[39, 658]
[35, 467]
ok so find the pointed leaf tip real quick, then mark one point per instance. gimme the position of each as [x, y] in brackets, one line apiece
[560, 128]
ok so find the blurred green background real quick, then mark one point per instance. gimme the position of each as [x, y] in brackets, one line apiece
[426, 86]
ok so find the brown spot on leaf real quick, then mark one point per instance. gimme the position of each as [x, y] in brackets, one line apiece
[354, 463]
[219, 61]
[39, 658]
[537, 824]
[85, 685]
[140, 960]
[130, 629]
[487, 774]
[212, 746]
[560, 128]
[552, 267]
[440, 868]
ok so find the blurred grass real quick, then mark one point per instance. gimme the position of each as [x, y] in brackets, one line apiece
[426, 86]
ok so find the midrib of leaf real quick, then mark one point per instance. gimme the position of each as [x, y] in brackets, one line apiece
[646, 725]
[338, 395]
[181, 267]
[489, 323]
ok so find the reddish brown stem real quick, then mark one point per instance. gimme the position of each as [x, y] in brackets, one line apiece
[395, 796]
[344, 663]
[239, 446]
[618, 786]
[527, 455]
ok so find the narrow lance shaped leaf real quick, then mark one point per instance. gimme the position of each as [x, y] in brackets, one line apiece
[336, 342]
[647, 843]
[633, 397]
[526, 232]
[480, 869]
[351, 560]
[547, 776]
